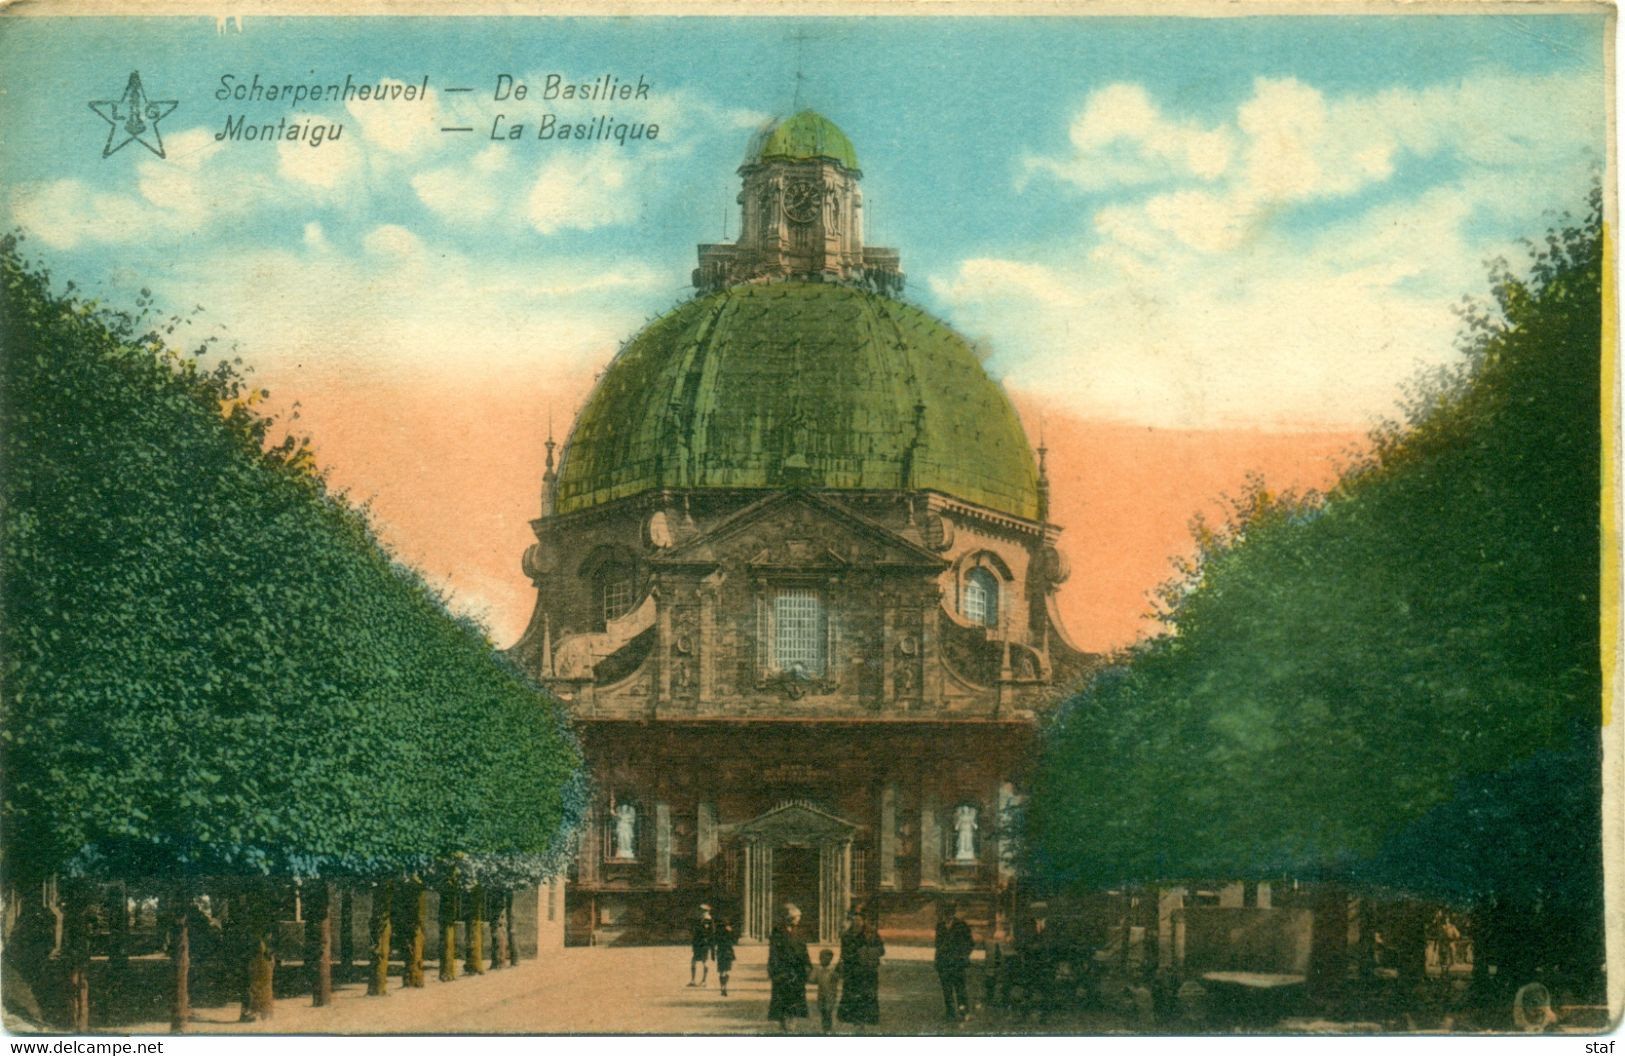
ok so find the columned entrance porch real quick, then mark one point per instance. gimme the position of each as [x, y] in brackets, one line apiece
[797, 853]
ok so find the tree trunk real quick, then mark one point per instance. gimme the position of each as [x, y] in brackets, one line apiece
[346, 934]
[378, 931]
[1368, 940]
[513, 938]
[499, 930]
[118, 925]
[448, 930]
[1328, 945]
[1411, 944]
[417, 908]
[259, 998]
[1482, 928]
[180, 956]
[76, 954]
[474, 963]
[1128, 928]
[321, 966]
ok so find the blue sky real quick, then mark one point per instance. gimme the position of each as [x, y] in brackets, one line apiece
[1216, 222]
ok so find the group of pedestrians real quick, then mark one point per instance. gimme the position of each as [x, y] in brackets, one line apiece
[848, 990]
[711, 940]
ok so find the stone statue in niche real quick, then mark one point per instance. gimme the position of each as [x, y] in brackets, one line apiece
[965, 833]
[626, 825]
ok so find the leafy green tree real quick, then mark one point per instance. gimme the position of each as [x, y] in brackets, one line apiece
[1410, 661]
[211, 666]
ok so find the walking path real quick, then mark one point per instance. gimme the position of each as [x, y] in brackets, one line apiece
[587, 991]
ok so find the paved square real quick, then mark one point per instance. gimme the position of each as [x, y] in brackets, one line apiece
[591, 991]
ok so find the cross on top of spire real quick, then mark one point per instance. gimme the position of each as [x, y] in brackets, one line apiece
[800, 37]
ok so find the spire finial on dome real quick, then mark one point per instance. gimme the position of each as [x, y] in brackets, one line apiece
[800, 37]
[1043, 473]
[550, 444]
[550, 476]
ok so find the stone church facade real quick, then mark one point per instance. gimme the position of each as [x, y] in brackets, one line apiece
[796, 582]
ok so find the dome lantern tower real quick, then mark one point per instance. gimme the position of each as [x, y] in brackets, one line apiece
[801, 213]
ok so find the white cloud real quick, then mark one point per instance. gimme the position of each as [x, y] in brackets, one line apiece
[394, 297]
[1122, 138]
[1288, 142]
[392, 240]
[581, 192]
[398, 127]
[1210, 301]
[193, 186]
[332, 165]
[574, 186]
[65, 213]
[470, 191]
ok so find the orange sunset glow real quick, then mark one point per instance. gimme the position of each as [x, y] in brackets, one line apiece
[450, 465]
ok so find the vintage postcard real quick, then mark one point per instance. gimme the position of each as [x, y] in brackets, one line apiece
[684, 520]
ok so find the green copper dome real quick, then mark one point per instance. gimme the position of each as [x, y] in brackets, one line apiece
[802, 137]
[769, 385]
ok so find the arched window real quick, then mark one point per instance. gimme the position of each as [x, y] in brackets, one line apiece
[800, 633]
[614, 592]
[980, 601]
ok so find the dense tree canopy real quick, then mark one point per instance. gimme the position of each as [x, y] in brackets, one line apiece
[1396, 682]
[211, 665]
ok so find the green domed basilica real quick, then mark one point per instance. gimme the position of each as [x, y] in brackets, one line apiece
[799, 384]
[796, 581]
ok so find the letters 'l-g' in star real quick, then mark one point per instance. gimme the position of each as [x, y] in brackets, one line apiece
[136, 116]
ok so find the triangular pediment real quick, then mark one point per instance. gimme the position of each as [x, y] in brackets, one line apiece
[801, 530]
[796, 822]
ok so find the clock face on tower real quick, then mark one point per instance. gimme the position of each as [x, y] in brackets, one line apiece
[801, 201]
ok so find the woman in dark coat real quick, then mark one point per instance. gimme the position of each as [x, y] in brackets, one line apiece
[725, 953]
[861, 950]
[787, 967]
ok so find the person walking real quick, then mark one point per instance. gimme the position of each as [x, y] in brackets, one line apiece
[724, 947]
[954, 945]
[702, 938]
[787, 968]
[861, 951]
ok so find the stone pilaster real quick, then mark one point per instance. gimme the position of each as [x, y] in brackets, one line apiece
[591, 849]
[888, 837]
[1004, 803]
[706, 840]
[930, 837]
[663, 874]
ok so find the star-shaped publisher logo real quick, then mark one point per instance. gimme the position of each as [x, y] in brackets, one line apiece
[135, 117]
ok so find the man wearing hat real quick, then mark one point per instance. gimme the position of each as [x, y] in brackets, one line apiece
[954, 946]
[703, 938]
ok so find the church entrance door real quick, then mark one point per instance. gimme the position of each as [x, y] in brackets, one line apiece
[795, 880]
[799, 853]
